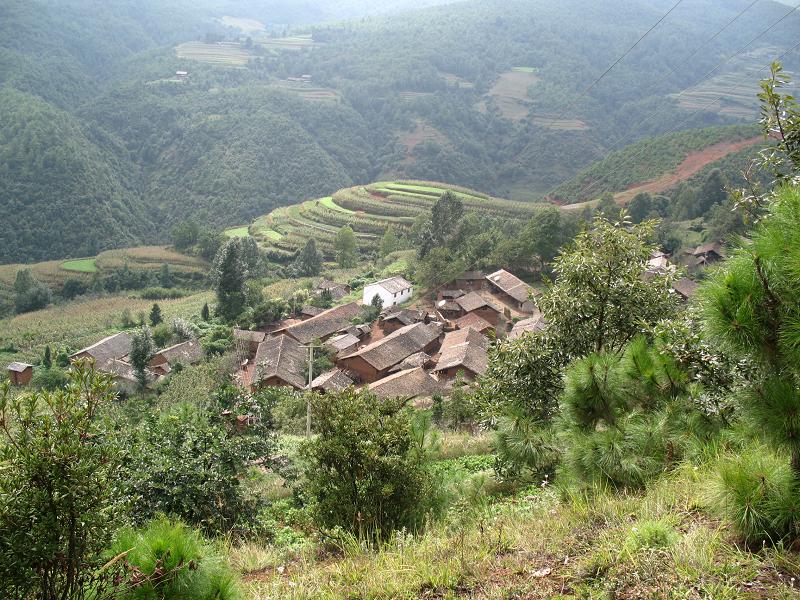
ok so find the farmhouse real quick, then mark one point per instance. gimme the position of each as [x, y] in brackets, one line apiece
[309, 311]
[111, 348]
[334, 380]
[336, 290]
[463, 351]
[685, 288]
[343, 344]
[185, 353]
[511, 288]
[474, 321]
[375, 361]
[708, 254]
[247, 342]
[20, 373]
[280, 361]
[392, 291]
[394, 319]
[529, 325]
[469, 281]
[449, 309]
[124, 375]
[324, 325]
[412, 383]
[475, 303]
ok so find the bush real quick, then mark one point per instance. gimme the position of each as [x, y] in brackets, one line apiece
[364, 472]
[49, 379]
[168, 561]
[651, 534]
[162, 293]
[162, 335]
[56, 507]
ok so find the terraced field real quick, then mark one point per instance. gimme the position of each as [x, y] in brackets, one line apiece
[369, 210]
[216, 54]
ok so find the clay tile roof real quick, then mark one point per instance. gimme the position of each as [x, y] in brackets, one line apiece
[474, 301]
[470, 276]
[324, 324]
[19, 367]
[685, 287]
[342, 342]
[534, 323]
[511, 285]
[452, 294]
[399, 345]
[394, 285]
[420, 359]
[332, 381]
[187, 353]
[715, 247]
[474, 321]
[114, 346]
[281, 357]
[411, 383]
[405, 316]
[312, 311]
[120, 369]
[449, 305]
[464, 348]
[245, 335]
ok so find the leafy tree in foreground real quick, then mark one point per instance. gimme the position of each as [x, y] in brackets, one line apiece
[362, 472]
[56, 509]
[345, 247]
[229, 275]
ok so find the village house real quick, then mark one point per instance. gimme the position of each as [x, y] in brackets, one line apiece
[374, 362]
[420, 359]
[685, 288]
[358, 331]
[392, 291]
[660, 265]
[343, 344]
[124, 376]
[484, 308]
[309, 311]
[336, 290]
[512, 289]
[449, 310]
[394, 319]
[185, 353]
[469, 281]
[113, 347]
[463, 351]
[707, 254]
[530, 325]
[334, 380]
[409, 384]
[324, 325]
[450, 294]
[20, 373]
[474, 321]
[280, 362]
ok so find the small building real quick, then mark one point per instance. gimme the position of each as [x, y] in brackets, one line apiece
[309, 311]
[20, 373]
[375, 361]
[408, 384]
[484, 308]
[343, 344]
[463, 351]
[113, 347]
[124, 376]
[474, 321]
[324, 325]
[185, 353]
[660, 265]
[336, 290]
[685, 288]
[420, 359]
[247, 342]
[708, 254]
[469, 281]
[449, 310]
[451, 294]
[334, 380]
[181, 74]
[395, 319]
[392, 291]
[280, 362]
[529, 325]
[512, 289]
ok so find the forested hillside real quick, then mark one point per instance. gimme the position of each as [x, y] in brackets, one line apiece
[471, 93]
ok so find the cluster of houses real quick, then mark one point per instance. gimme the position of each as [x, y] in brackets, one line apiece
[413, 352]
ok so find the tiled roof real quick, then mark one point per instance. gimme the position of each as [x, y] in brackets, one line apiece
[332, 381]
[246, 335]
[325, 324]
[474, 301]
[420, 359]
[411, 383]
[281, 357]
[404, 316]
[398, 345]
[685, 287]
[19, 367]
[187, 353]
[534, 323]
[114, 346]
[465, 348]
[511, 285]
[342, 342]
[393, 285]
[715, 247]
[474, 321]
[312, 311]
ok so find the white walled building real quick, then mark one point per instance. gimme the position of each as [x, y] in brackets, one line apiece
[392, 291]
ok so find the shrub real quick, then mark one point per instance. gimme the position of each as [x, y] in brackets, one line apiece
[162, 293]
[364, 472]
[651, 534]
[168, 561]
[49, 379]
[56, 509]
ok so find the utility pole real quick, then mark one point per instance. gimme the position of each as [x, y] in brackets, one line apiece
[308, 395]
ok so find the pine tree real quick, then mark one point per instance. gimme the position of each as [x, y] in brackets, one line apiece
[165, 277]
[389, 241]
[229, 276]
[142, 350]
[446, 213]
[205, 313]
[155, 316]
[47, 359]
[309, 261]
[345, 247]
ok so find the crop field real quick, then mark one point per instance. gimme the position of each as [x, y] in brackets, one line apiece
[149, 257]
[294, 42]
[510, 92]
[422, 132]
[215, 54]
[82, 265]
[369, 210]
[456, 80]
[79, 324]
[308, 91]
[238, 232]
[551, 122]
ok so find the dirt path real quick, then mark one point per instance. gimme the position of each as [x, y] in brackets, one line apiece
[691, 165]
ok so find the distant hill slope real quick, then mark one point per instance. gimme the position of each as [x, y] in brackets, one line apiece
[464, 93]
[656, 164]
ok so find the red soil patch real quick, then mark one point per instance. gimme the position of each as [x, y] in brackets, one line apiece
[690, 166]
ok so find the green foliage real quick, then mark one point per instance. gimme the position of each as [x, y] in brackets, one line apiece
[651, 534]
[56, 510]
[47, 359]
[229, 275]
[155, 316]
[389, 242]
[363, 473]
[346, 248]
[445, 215]
[166, 560]
[142, 350]
[205, 313]
[49, 379]
[29, 293]
[309, 261]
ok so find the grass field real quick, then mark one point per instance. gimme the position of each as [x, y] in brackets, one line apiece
[510, 92]
[307, 91]
[238, 232]
[79, 324]
[295, 42]
[83, 265]
[215, 54]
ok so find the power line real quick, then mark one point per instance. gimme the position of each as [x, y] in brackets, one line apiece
[594, 184]
[616, 62]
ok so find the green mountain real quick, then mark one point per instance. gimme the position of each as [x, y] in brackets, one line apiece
[479, 93]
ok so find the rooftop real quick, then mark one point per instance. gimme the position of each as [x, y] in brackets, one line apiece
[187, 353]
[465, 348]
[511, 285]
[109, 348]
[324, 324]
[19, 367]
[281, 357]
[474, 301]
[398, 345]
[473, 321]
[332, 381]
[393, 285]
[529, 325]
[411, 383]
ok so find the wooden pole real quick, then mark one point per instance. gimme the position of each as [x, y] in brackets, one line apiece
[308, 396]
